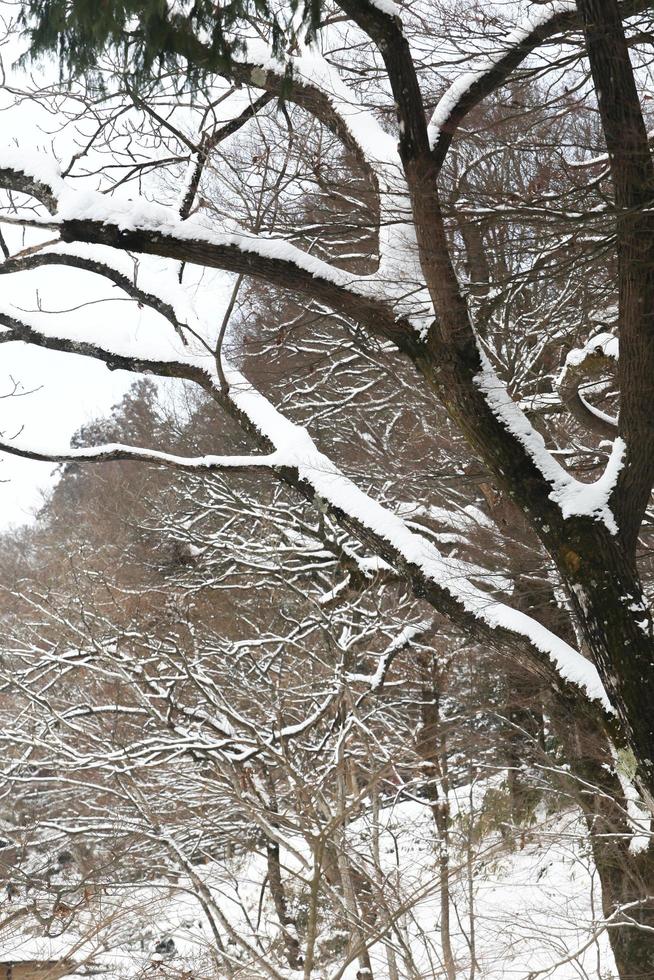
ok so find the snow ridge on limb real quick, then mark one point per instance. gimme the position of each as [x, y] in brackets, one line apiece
[92, 217]
[407, 547]
[493, 67]
[584, 366]
[574, 498]
[378, 149]
[295, 458]
[31, 173]
[117, 452]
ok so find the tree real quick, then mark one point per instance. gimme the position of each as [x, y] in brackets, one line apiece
[258, 641]
[363, 84]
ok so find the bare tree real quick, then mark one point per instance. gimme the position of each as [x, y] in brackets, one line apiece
[361, 87]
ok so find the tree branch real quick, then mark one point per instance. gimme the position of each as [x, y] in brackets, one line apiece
[273, 261]
[495, 69]
[209, 141]
[632, 173]
[116, 452]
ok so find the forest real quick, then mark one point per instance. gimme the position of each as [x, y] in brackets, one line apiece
[328, 335]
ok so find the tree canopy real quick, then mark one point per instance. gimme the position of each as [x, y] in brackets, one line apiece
[193, 39]
[396, 264]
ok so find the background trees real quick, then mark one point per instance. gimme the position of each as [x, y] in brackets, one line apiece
[398, 361]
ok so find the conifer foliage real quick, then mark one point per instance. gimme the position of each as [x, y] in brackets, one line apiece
[153, 35]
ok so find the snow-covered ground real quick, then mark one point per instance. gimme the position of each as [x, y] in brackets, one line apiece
[536, 908]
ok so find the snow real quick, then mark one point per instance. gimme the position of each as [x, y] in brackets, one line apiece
[522, 897]
[128, 214]
[199, 463]
[535, 907]
[378, 147]
[387, 7]
[602, 343]
[292, 445]
[592, 500]
[34, 163]
[574, 498]
[538, 15]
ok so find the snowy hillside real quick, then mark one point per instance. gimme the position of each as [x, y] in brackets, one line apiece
[535, 912]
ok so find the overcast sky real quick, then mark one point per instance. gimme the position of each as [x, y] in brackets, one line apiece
[71, 390]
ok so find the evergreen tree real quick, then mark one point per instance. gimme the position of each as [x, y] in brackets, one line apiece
[152, 36]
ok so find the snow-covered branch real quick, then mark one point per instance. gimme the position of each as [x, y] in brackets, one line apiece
[445, 583]
[140, 226]
[115, 452]
[490, 70]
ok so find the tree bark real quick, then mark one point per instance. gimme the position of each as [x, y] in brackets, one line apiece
[432, 748]
[626, 878]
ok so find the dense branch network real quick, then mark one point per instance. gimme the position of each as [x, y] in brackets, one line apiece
[432, 326]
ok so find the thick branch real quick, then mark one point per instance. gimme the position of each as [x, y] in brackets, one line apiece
[18, 180]
[115, 452]
[272, 261]
[496, 68]
[594, 365]
[632, 172]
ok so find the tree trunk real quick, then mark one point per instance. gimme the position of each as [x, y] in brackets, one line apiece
[627, 879]
[432, 747]
[286, 920]
[287, 923]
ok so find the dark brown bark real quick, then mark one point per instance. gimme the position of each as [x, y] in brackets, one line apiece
[233, 258]
[286, 921]
[609, 602]
[596, 566]
[16, 181]
[632, 173]
[626, 878]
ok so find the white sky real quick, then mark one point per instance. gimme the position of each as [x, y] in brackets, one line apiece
[72, 389]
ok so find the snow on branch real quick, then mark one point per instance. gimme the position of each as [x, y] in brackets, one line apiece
[115, 452]
[142, 226]
[148, 228]
[376, 149]
[586, 366]
[118, 356]
[408, 634]
[152, 229]
[445, 583]
[105, 265]
[31, 173]
[318, 88]
[574, 498]
[604, 345]
[491, 69]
